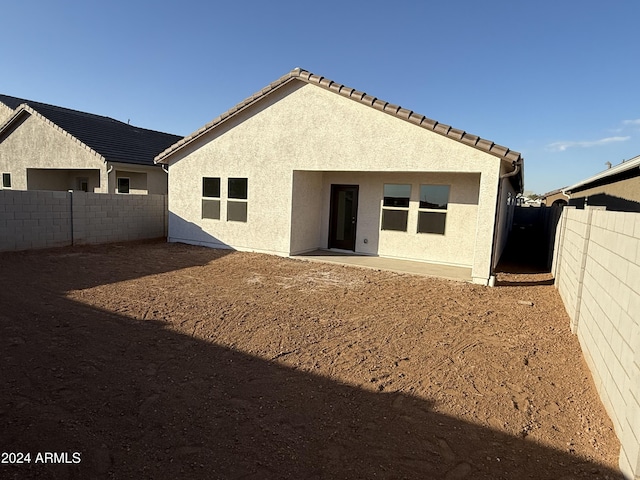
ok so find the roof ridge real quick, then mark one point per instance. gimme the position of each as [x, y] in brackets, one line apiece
[410, 116]
[34, 104]
[104, 137]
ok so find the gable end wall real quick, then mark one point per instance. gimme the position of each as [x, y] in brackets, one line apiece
[37, 144]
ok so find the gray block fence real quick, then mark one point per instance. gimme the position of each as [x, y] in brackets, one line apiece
[44, 219]
[597, 273]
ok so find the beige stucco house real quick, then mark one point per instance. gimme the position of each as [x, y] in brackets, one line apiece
[555, 197]
[307, 164]
[617, 188]
[45, 147]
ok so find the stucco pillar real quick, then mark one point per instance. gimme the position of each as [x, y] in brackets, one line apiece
[489, 184]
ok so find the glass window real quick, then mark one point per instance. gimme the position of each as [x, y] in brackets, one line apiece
[434, 196]
[395, 207]
[211, 187]
[431, 222]
[211, 209]
[396, 195]
[432, 213]
[238, 188]
[237, 208]
[211, 198]
[236, 211]
[395, 220]
[6, 180]
[123, 185]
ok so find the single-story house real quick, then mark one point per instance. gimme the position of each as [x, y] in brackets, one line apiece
[555, 197]
[45, 147]
[307, 163]
[617, 188]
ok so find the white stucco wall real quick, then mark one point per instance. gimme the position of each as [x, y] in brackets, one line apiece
[307, 226]
[62, 179]
[455, 247]
[142, 179]
[304, 127]
[38, 145]
[505, 216]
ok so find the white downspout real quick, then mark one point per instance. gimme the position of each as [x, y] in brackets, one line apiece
[516, 164]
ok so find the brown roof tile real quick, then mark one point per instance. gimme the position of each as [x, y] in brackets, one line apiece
[428, 123]
[368, 99]
[499, 150]
[416, 118]
[298, 74]
[442, 129]
[379, 104]
[512, 156]
[346, 91]
[325, 82]
[484, 144]
[335, 87]
[470, 139]
[404, 113]
[456, 133]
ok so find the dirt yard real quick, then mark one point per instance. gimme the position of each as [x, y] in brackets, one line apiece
[157, 361]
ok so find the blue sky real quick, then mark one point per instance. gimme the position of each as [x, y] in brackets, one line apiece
[556, 81]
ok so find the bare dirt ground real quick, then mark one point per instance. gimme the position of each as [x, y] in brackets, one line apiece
[166, 361]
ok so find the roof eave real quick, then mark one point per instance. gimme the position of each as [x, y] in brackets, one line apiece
[163, 157]
[417, 119]
[19, 112]
[623, 167]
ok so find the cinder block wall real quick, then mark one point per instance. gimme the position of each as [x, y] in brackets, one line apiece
[104, 218]
[31, 219]
[597, 270]
[40, 219]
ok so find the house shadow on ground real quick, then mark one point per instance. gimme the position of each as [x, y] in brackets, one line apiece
[138, 400]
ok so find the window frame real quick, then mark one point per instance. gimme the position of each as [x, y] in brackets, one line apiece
[433, 210]
[211, 199]
[235, 201]
[5, 176]
[394, 208]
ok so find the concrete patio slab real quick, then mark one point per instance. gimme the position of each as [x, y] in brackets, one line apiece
[448, 272]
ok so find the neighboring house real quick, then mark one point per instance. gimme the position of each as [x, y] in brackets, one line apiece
[555, 198]
[44, 147]
[307, 164]
[617, 188]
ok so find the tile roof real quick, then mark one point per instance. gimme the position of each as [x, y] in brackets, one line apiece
[114, 140]
[361, 97]
[553, 192]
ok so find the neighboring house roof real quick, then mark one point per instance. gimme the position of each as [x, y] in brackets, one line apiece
[302, 75]
[554, 192]
[115, 141]
[608, 176]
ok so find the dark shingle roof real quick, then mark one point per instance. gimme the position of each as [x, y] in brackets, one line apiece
[116, 141]
[395, 110]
